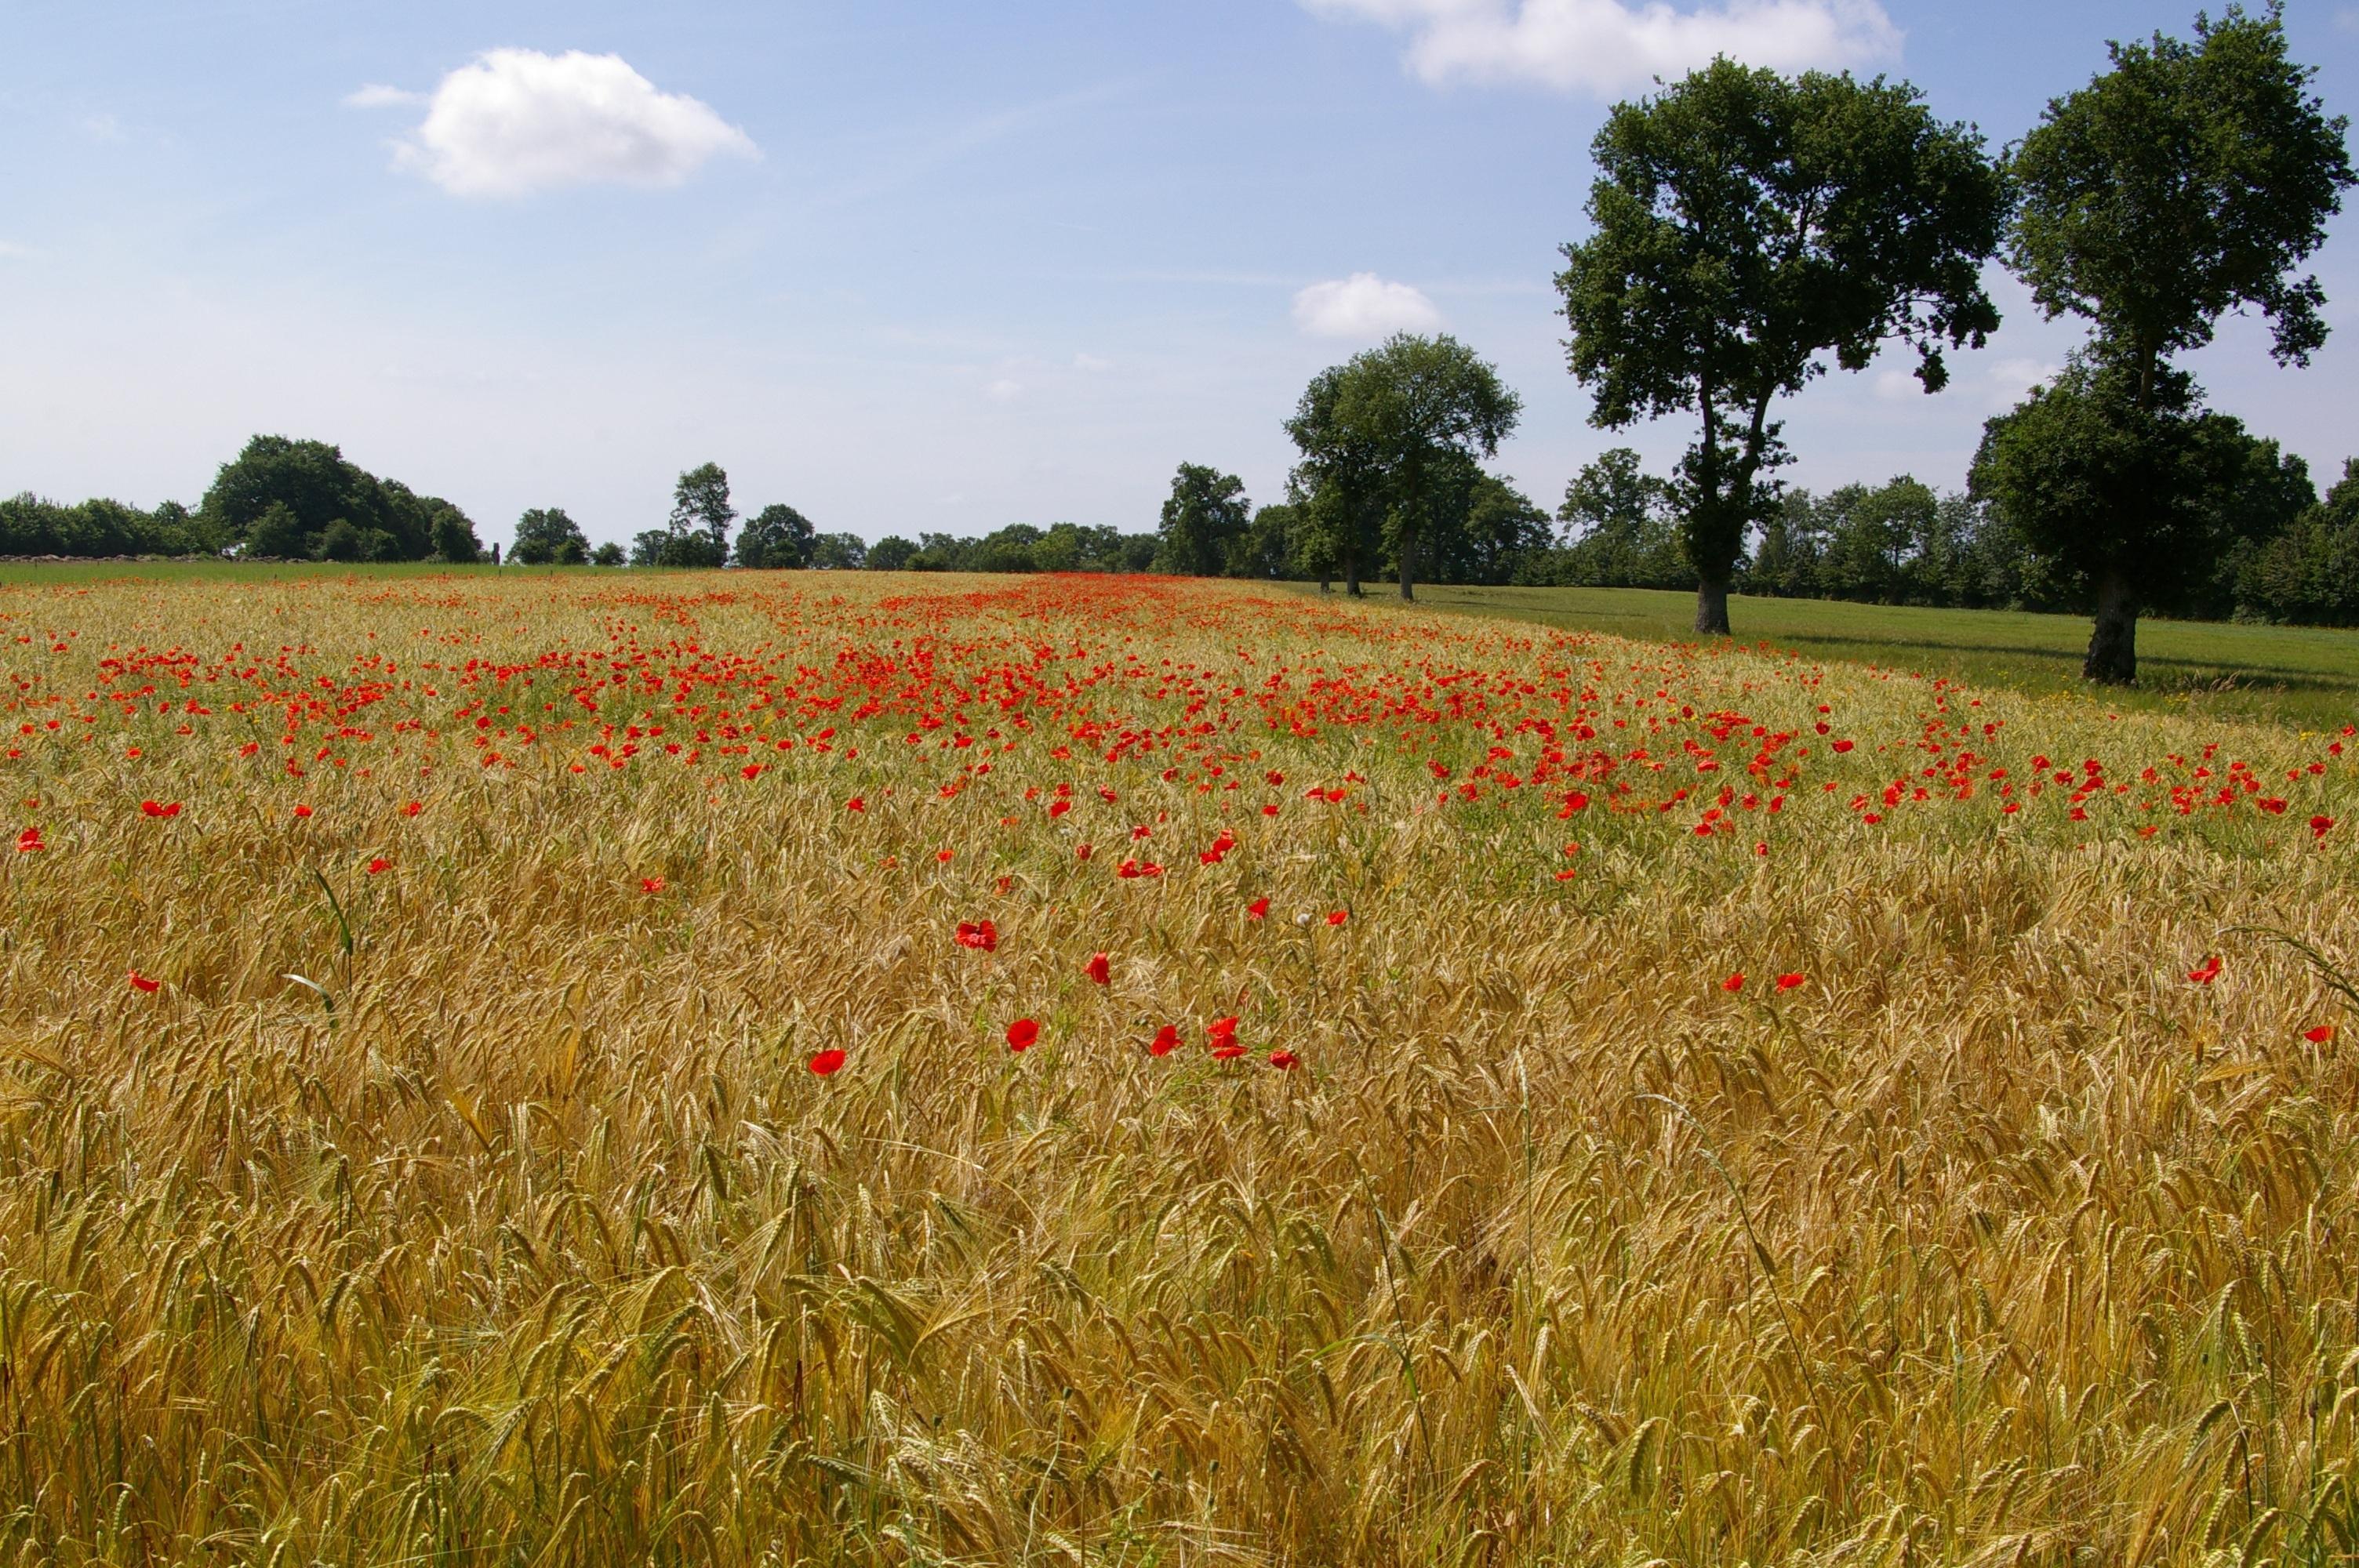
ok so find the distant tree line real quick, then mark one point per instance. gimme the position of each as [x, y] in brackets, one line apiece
[2275, 551]
[279, 499]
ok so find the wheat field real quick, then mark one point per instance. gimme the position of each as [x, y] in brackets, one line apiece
[522, 1070]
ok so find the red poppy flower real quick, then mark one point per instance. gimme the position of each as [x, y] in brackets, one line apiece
[413, 808]
[981, 936]
[1098, 968]
[1337, 916]
[1166, 1041]
[651, 884]
[379, 864]
[1284, 1061]
[1022, 1035]
[1257, 910]
[1080, 852]
[856, 804]
[2322, 825]
[30, 840]
[1732, 984]
[158, 808]
[140, 982]
[1223, 1028]
[1788, 982]
[302, 811]
[826, 1062]
[2205, 973]
[2323, 1035]
[1227, 1051]
[752, 770]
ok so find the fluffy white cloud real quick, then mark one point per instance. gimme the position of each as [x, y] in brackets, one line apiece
[1004, 391]
[12, 251]
[1614, 46]
[516, 121]
[1363, 306]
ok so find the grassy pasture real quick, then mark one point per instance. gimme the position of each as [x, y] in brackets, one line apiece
[410, 1149]
[2303, 675]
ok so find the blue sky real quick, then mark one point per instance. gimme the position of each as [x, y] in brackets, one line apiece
[908, 264]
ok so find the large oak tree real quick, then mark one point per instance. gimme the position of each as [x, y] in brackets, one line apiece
[2188, 181]
[1748, 225]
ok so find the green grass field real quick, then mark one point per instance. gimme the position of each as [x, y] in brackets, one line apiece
[2307, 676]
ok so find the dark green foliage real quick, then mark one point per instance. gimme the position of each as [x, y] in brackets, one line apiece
[454, 536]
[2309, 573]
[546, 536]
[1487, 531]
[30, 525]
[279, 498]
[1897, 544]
[1019, 547]
[1747, 227]
[839, 552]
[1339, 482]
[2140, 498]
[607, 555]
[776, 538]
[278, 534]
[1206, 516]
[2187, 181]
[341, 541]
[890, 554]
[1267, 548]
[1621, 530]
[698, 535]
[1389, 442]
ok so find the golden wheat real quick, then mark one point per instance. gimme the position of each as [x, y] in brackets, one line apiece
[483, 1209]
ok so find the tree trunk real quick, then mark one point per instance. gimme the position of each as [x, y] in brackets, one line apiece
[1408, 569]
[1711, 609]
[1326, 582]
[2113, 645]
[1352, 573]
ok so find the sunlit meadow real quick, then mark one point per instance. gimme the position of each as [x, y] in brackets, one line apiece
[571, 1069]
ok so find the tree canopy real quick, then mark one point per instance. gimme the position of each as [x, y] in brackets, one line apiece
[776, 537]
[547, 536]
[1391, 437]
[1205, 515]
[1747, 226]
[2188, 180]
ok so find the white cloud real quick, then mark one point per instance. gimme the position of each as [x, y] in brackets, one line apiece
[102, 129]
[1363, 306]
[1004, 391]
[376, 95]
[1607, 47]
[11, 251]
[516, 121]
